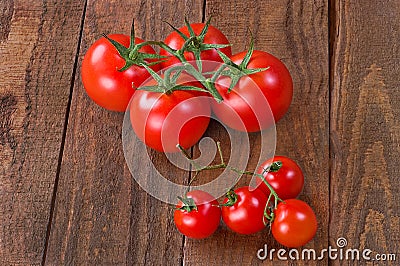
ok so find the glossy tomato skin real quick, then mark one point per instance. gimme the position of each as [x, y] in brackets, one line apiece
[246, 216]
[105, 85]
[245, 108]
[287, 182]
[295, 223]
[213, 36]
[200, 223]
[162, 121]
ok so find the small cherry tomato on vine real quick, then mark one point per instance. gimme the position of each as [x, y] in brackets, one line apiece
[202, 45]
[164, 119]
[198, 215]
[104, 81]
[243, 210]
[294, 223]
[248, 105]
[283, 174]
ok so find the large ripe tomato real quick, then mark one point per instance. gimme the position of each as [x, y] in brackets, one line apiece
[213, 36]
[105, 85]
[287, 180]
[245, 108]
[162, 121]
[246, 215]
[295, 223]
[199, 222]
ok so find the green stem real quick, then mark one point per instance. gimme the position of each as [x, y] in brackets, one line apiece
[220, 152]
[217, 73]
[222, 165]
[184, 152]
[266, 215]
[232, 198]
[187, 43]
[167, 74]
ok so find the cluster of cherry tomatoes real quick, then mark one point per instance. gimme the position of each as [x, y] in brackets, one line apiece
[248, 210]
[170, 96]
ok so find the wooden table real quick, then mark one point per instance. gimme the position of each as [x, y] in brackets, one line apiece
[67, 196]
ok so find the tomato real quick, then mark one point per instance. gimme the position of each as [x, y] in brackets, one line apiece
[295, 223]
[105, 85]
[287, 180]
[245, 108]
[213, 36]
[246, 215]
[201, 222]
[162, 120]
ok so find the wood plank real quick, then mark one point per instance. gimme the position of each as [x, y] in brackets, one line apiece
[101, 215]
[38, 43]
[365, 129]
[297, 33]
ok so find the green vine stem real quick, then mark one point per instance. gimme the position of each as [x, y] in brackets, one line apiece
[223, 165]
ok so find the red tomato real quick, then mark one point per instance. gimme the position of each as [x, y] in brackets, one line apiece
[105, 85]
[295, 223]
[162, 121]
[245, 108]
[213, 36]
[287, 181]
[200, 223]
[246, 215]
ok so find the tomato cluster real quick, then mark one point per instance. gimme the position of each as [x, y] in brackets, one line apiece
[248, 210]
[248, 91]
[170, 96]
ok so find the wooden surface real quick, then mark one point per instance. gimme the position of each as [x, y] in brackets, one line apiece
[365, 146]
[66, 194]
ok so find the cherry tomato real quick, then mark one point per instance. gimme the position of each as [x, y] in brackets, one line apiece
[162, 120]
[246, 215]
[199, 222]
[286, 178]
[213, 36]
[105, 85]
[295, 223]
[245, 108]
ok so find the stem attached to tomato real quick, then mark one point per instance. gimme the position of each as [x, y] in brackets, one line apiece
[188, 204]
[223, 165]
[232, 198]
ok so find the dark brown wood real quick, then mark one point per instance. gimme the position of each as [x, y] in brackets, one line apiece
[78, 204]
[38, 44]
[101, 215]
[297, 33]
[365, 128]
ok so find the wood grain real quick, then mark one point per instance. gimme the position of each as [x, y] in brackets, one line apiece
[38, 43]
[365, 128]
[346, 138]
[297, 33]
[101, 215]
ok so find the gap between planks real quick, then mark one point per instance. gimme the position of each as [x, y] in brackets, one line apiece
[60, 156]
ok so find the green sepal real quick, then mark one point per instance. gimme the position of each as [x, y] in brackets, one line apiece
[177, 30]
[205, 29]
[275, 166]
[154, 88]
[234, 71]
[131, 55]
[175, 76]
[188, 204]
[157, 77]
[190, 29]
[248, 55]
[232, 198]
[209, 46]
[187, 88]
